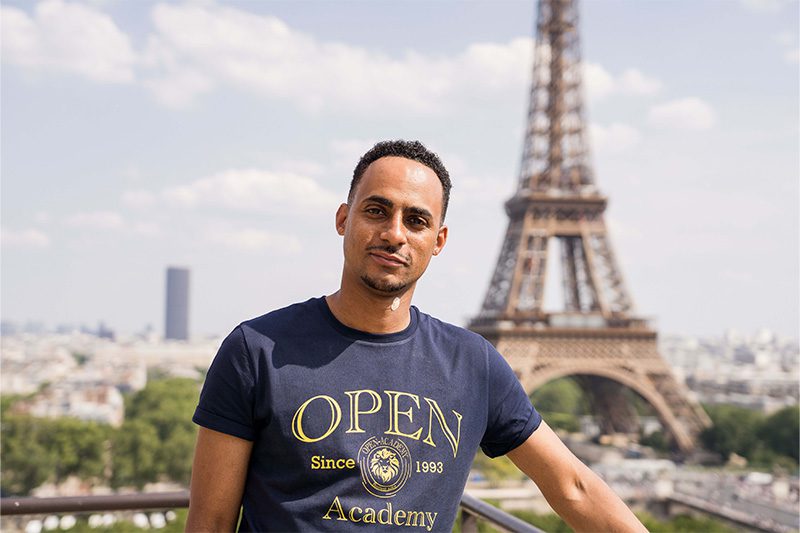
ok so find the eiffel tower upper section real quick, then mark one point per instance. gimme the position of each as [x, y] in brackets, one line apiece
[556, 197]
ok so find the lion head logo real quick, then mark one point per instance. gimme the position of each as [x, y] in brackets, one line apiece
[384, 464]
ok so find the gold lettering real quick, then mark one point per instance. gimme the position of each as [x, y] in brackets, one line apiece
[351, 463]
[452, 439]
[414, 517]
[297, 420]
[394, 412]
[352, 518]
[388, 516]
[399, 516]
[315, 463]
[355, 412]
[431, 519]
[369, 516]
[336, 506]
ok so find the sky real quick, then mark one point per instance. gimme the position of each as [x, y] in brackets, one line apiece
[222, 137]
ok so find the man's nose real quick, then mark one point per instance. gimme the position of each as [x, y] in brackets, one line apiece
[394, 232]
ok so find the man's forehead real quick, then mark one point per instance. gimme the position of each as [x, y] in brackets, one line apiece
[408, 173]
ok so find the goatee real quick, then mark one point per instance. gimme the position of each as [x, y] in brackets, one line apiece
[380, 286]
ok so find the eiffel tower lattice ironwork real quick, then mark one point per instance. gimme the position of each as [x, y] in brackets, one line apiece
[596, 339]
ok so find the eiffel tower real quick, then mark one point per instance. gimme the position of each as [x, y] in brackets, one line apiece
[597, 339]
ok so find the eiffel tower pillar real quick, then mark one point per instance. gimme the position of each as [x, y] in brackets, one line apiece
[596, 337]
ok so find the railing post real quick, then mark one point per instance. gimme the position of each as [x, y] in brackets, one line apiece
[469, 522]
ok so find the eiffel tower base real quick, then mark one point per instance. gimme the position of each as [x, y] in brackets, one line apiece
[604, 362]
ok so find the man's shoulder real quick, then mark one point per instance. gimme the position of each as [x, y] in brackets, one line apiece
[285, 318]
[450, 332]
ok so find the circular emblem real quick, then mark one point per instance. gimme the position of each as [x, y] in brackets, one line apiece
[385, 465]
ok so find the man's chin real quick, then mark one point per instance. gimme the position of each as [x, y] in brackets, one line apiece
[384, 287]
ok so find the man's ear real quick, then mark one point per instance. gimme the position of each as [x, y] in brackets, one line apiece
[441, 240]
[341, 218]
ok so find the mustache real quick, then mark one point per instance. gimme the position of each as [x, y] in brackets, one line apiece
[392, 250]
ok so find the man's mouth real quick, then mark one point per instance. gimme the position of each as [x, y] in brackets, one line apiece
[387, 259]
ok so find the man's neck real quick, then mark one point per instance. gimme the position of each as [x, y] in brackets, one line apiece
[365, 311]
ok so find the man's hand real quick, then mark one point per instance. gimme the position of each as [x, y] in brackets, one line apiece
[219, 472]
[576, 493]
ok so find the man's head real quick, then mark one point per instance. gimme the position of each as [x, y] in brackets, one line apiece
[413, 150]
[392, 223]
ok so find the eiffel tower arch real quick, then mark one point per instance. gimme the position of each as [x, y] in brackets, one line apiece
[597, 339]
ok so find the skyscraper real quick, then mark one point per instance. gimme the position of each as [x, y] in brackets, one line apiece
[177, 312]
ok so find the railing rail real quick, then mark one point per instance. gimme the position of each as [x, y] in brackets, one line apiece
[472, 508]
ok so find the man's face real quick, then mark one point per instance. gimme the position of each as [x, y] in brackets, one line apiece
[393, 225]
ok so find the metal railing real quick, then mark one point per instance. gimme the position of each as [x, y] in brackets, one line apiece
[472, 509]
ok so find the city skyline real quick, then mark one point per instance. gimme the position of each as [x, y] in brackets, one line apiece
[222, 137]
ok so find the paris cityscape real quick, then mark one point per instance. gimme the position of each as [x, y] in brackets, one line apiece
[634, 258]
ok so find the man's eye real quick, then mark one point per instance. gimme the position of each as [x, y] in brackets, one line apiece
[417, 221]
[374, 210]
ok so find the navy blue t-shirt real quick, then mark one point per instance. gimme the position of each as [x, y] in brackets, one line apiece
[354, 430]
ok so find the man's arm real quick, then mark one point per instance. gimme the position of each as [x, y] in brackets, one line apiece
[219, 472]
[576, 493]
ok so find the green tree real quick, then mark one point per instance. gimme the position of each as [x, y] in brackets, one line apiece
[77, 448]
[135, 446]
[26, 462]
[560, 396]
[167, 405]
[780, 432]
[734, 430]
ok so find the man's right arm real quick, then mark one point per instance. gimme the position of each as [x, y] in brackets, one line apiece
[219, 472]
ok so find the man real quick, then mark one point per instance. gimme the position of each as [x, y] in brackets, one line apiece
[357, 410]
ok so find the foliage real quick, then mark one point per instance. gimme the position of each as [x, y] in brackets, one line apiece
[497, 469]
[26, 462]
[155, 443]
[134, 450]
[765, 441]
[560, 396]
[566, 421]
[77, 448]
[683, 523]
[733, 430]
[658, 440]
[781, 432]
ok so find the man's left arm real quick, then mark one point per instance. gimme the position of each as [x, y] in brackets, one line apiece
[576, 493]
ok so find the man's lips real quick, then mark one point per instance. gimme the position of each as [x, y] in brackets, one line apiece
[388, 259]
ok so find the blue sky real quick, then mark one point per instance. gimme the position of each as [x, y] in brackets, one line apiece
[222, 136]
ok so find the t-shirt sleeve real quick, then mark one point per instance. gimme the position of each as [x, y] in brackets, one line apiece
[226, 401]
[511, 418]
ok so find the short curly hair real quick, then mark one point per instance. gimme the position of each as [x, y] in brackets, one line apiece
[413, 150]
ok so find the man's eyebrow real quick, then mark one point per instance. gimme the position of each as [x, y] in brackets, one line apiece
[419, 211]
[379, 200]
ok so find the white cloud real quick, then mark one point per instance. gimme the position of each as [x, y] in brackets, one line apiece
[199, 47]
[687, 113]
[101, 220]
[792, 56]
[251, 189]
[764, 6]
[788, 41]
[615, 138]
[67, 37]
[146, 229]
[24, 238]
[786, 38]
[634, 82]
[255, 240]
[42, 218]
[600, 83]
[138, 199]
[347, 152]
